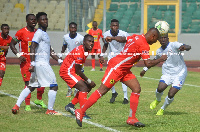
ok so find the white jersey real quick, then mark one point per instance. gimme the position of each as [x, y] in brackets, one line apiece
[114, 46]
[175, 62]
[42, 53]
[72, 42]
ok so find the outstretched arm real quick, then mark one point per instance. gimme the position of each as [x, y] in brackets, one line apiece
[184, 47]
[117, 38]
[54, 56]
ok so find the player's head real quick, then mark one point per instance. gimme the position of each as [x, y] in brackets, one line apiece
[88, 42]
[152, 35]
[164, 40]
[94, 25]
[42, 19]
[114, 26]
[31, 20]
[5, 29]
[72, 28]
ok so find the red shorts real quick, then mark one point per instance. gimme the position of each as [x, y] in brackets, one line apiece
[24, 67]
[3, 65]
[95, 51]
[71, 78]
[111, 77]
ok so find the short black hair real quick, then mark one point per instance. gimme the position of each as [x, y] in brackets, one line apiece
[40, 14]
[72, 23]
[29, 15]
[114, 20]
[3, 25]
[86, 36]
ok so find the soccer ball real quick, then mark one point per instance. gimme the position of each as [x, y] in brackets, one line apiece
[163, 27]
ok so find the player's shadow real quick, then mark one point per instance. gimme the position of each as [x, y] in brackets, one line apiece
[2, 95]
[175, 113]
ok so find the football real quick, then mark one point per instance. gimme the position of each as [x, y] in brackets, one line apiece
[162, 26]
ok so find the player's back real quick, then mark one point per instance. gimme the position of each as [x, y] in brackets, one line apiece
[72, 42]
[4, 42]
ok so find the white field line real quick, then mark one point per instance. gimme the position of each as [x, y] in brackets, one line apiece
[84, 120]
[159, 79]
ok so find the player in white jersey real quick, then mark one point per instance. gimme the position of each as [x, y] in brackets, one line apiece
[71, 41]
[174, 71]
[42, 74]
[114, 49]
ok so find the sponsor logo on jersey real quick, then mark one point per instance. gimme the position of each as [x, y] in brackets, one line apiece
[25, 75]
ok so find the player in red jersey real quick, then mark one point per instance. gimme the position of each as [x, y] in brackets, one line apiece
[136, 47]
[70, 72]
[24, 36]
[96, 50]
[5, 40]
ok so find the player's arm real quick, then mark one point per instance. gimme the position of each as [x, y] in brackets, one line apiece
[4, 47]
[32, 55]
[13, 42]
[105, 47]
[184, 47]
[78, 68]
[117, 38]
[150, 63]
[54, 56]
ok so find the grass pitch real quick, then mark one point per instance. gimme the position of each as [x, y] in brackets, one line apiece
[182, 115]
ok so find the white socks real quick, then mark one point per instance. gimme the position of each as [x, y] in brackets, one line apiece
[158, 95]
[23, 95]
[51, 99]
[125, 91]
[167, 102]
[68, 87]
[113, 89]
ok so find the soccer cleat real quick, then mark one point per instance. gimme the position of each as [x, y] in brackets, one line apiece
[86, 116]
[52, 112]
[92, 69]
[15, 109]
[69, 93]
[79, 117]
[70, 109]
[75, 92]
[114, 95]
[101, 69]
[41, 103]
[125, 101]
[160, 112]
[135, 122]
[154, 104]
[28, 108]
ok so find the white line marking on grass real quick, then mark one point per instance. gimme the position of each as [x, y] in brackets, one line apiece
[71, 116]
[159, 79]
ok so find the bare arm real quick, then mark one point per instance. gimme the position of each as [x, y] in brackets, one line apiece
[54, 56]
[151, 63]
[184, 47]
[32, 56]
[117, 38]
[64, 47]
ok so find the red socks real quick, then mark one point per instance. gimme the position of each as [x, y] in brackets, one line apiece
[93, 63]
[1, 79]
[75, 99]
[134, 100]
[82, 98]
[28, 98]
[40, 91]
[101, 65]
[92, 99]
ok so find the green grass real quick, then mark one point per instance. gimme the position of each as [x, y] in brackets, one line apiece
[182, 115]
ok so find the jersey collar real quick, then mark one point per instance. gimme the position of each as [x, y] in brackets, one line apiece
[74, 37]
[111, 33]
[165, 47]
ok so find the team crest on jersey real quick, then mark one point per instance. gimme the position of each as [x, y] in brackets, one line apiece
[8, 44]
[98, 33]
[76, 42]
[112, 81]
[25, 75]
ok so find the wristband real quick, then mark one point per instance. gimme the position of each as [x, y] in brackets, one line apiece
[102, 54]
[18, 55]
[32, 63]
[145, 68]
[89, 81]
[59, 55]
[60, 61]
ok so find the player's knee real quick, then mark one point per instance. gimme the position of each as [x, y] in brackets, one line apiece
[54, 87]
[159, 90]
[31, 88]
[170, 95]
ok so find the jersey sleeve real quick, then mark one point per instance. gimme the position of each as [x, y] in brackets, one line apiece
[101, 35]
[37, 37]
[64, 41]
[177, 45]
[144, 49]
[18, 36]
[79, 58]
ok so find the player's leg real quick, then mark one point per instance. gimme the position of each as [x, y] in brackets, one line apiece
[93, 62]
[98, 52]
[114, 95]
[69, 92]
[39, 101]
[124, 87]
[27, 99]
[1, 76]
[2, 71]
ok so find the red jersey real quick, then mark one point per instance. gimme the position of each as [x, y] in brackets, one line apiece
[76, 56]
[4, 42]
[96, 34]
[25, 37]
[135, 48]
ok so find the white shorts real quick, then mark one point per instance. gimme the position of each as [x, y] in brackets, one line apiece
[43, 76]
[176, 81]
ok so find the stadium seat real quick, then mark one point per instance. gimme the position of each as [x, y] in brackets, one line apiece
[134, 6]
[125, 6]
[17, 25]
[196, 15]
[20, 5]
[184, 6]
[132, 29]
[172, 8]
[113, 7]
[13, 1]
[162, 8]
[115, 0]
[124, 0]
[191, 0]
[60, 26]
[158, 14]
[167, 14]
[121, 9]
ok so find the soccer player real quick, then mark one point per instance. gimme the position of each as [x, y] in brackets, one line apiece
[5, 40]
[42, 73]
[71, 41]
[174, 71]
[24, 37]
[70, 72]
[96, 50]
[118, 69]
[114, 49]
